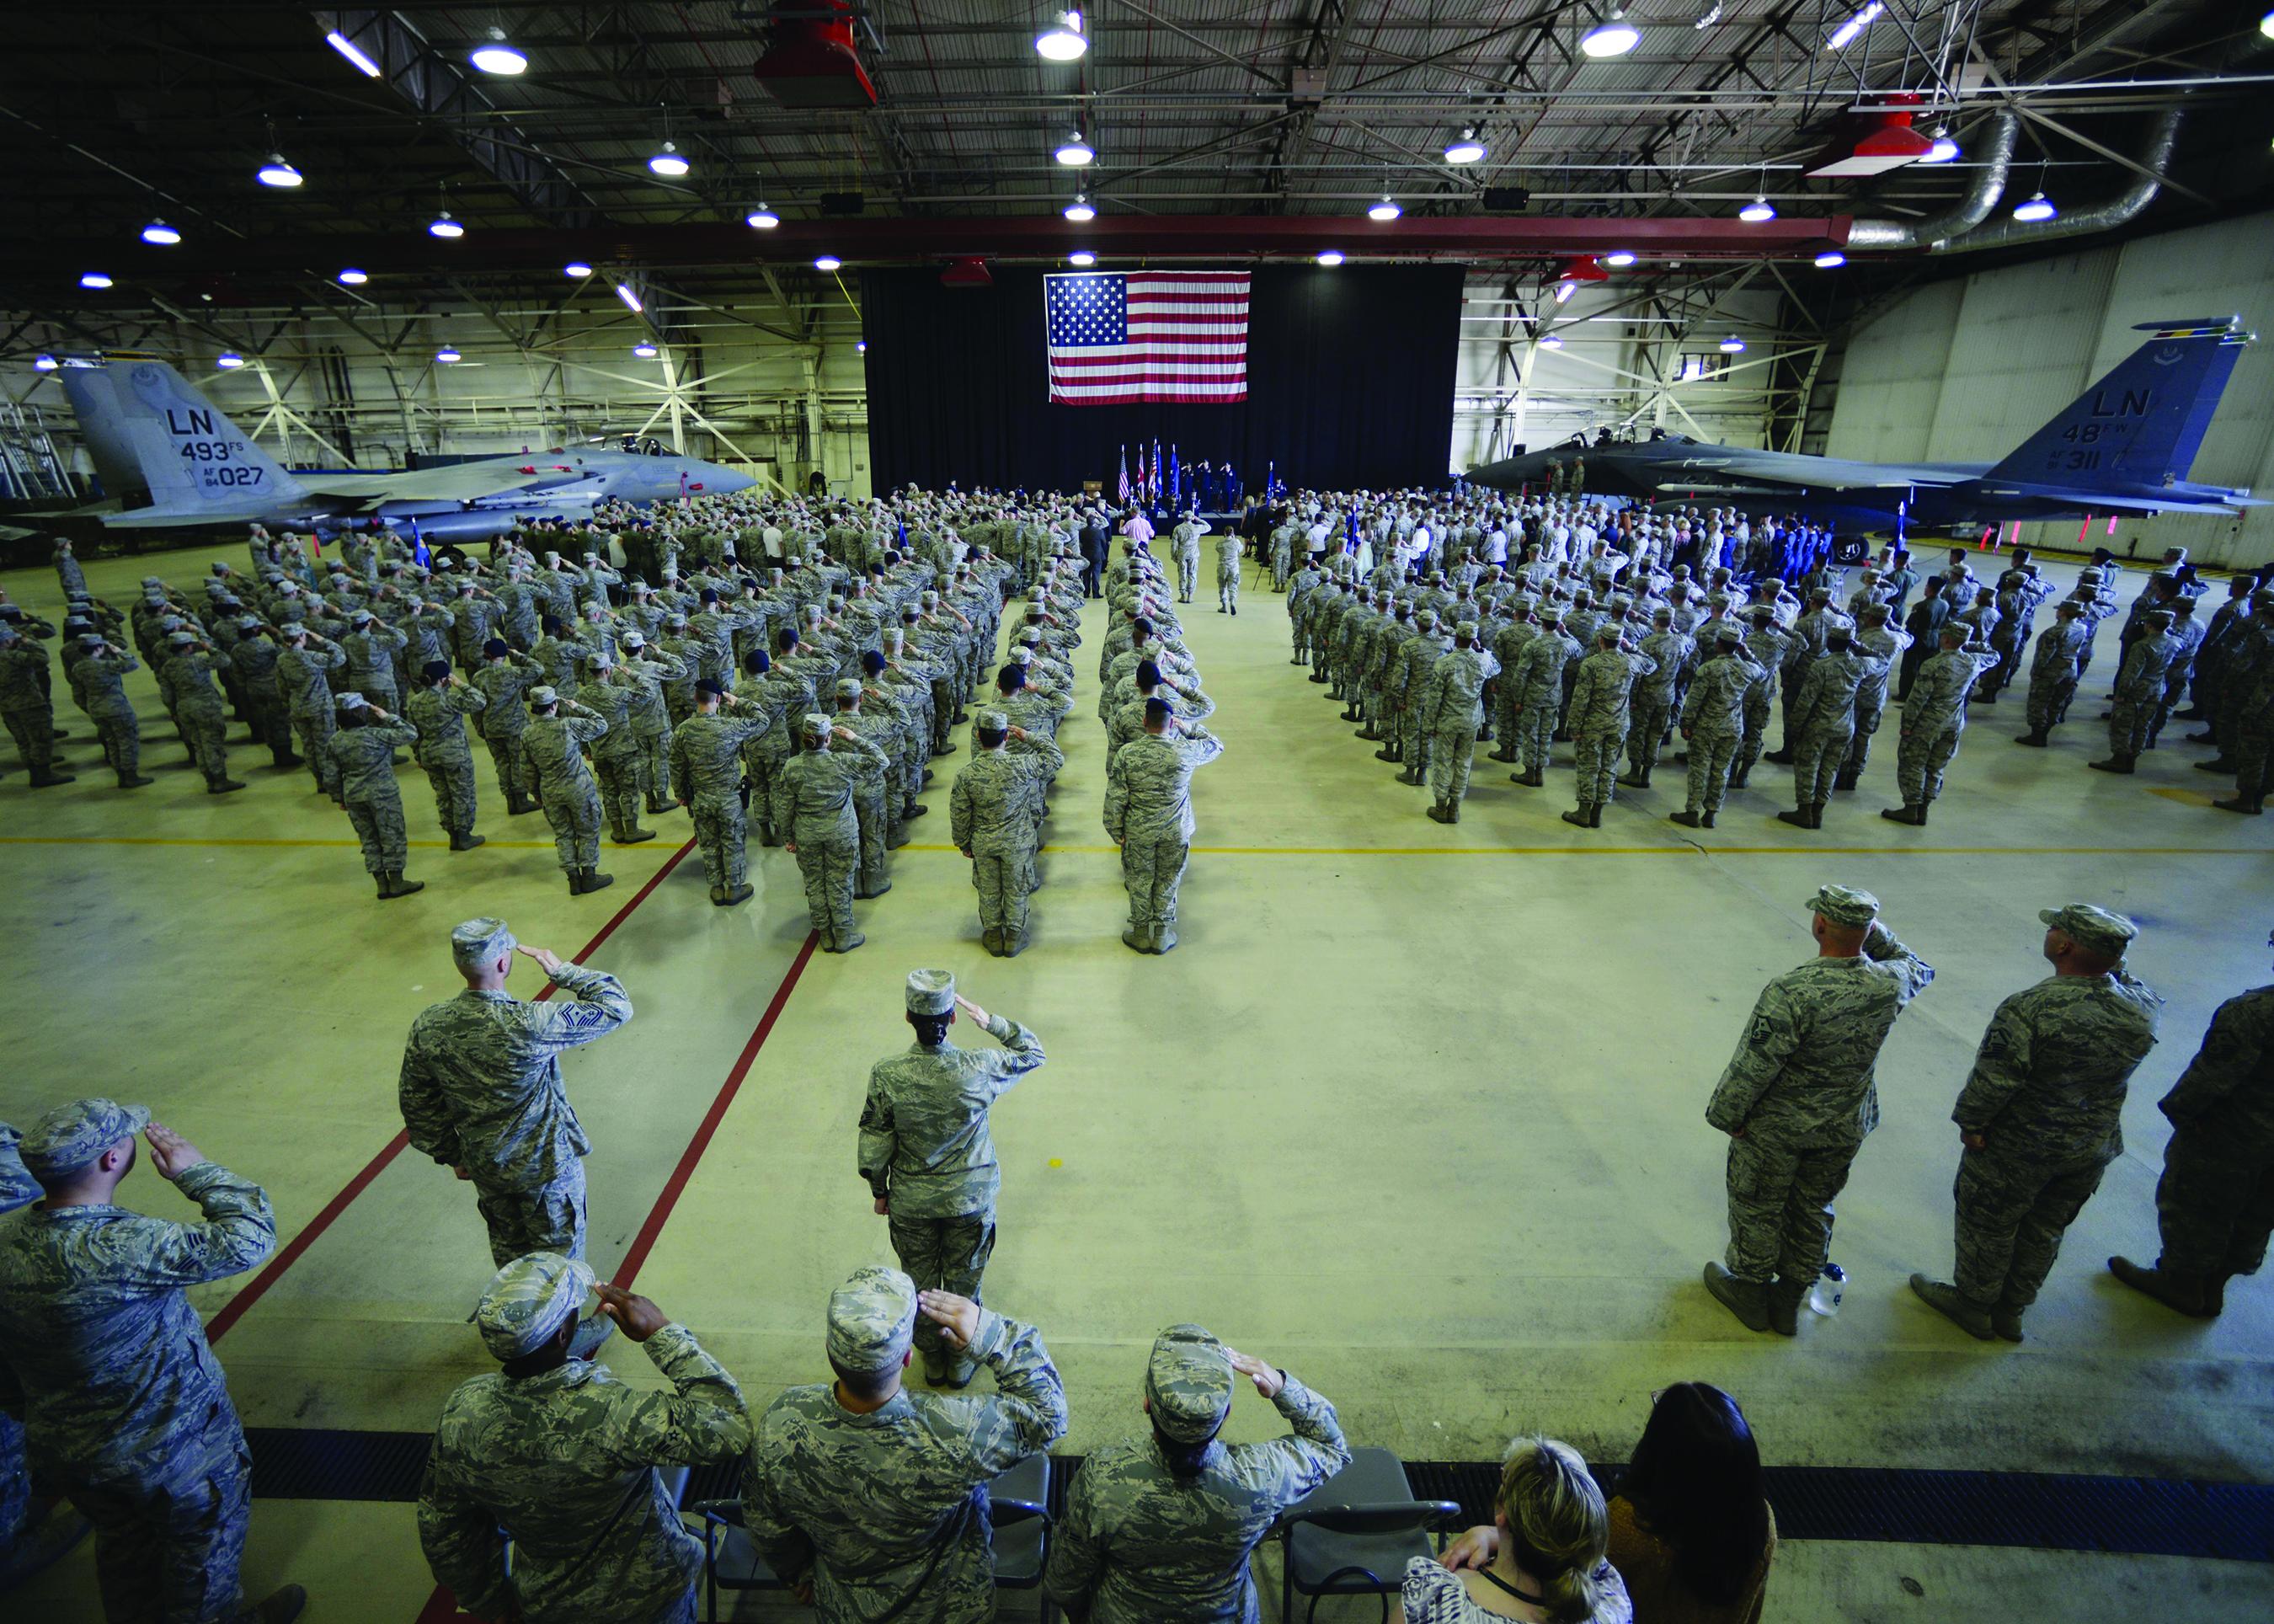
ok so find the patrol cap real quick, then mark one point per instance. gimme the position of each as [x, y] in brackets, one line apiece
[1466, 629]
[1188, 1383]
[1021, 655]
[1428, 618]
[248, 623]
[1729, 631]
[814, 724]
[931, 992]
[2092, 928]
[352, 701]
[542, 695]
[986, 721]
[528, 1301]
[72, 1135]
[633, 639]
[1608, 633]
[1845, 905]
[480, 942]
[360, 617]
[182, 638]
[848, 688]
[872, 1318]
[2159, 617]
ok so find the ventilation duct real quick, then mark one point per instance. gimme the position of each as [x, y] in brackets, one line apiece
[1995, 165]
[810, 59]
[2155, 157]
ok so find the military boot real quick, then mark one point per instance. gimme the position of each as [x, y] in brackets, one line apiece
[596, 881]
[1409, 776]
[2006, 1320]
[281, 1606]
[224, 785]
[1782, 758]
[1014, 942]
[717, 896]
[1783, 1300]
[1595, 813]
[1845, 778]
[1502, 754]
[2115, 763]
[1909, 812]
[1163, 937]
[400, 886]
[2218, 764]
[733, 894]
[1739, 773]
[1796, 816]
[1438, 813]
[2034, 738]
[843, 944]
[133, 781]
[1386, 753]
[1747, 1299]
[2192, 1294]
[633, 834]
[46, 777]
[2248, 805]
[1137, 940]
[991, 939]
[1582, 815]
[1688, 818]
[386, 884]
[1946, 1300]
[466, 840]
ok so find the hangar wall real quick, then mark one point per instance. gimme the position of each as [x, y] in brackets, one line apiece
[1966, 369]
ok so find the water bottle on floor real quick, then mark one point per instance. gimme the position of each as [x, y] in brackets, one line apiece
[1824, 1296]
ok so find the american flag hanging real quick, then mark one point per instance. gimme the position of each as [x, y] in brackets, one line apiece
[1166, 335]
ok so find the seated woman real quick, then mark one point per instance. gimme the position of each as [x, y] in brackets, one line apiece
[1542, 1560]
[1692, 1533]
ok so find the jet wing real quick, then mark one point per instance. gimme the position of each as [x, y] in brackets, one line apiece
[458, 482]
[1775, 473]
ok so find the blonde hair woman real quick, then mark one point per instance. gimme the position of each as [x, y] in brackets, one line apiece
[1541, 1560]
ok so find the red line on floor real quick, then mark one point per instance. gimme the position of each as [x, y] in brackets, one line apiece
[241, 1304]
[660, 1213]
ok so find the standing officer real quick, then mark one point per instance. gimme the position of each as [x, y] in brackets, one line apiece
[926, 1154]
[1227, 572]
[1599, 717]
[438, 707]
[362, 749]
[2139, 690]
[560, 1457]
[707, 772]
[1797, 1099]
[813, 811]
[505, 678]
[1163, 1527]
[303, 679]
[1148, 813]
[198, 708]
[1821, 722]
[481, 1094]
[994, 818]
[1934, 717]
[2214, 1203]
[2040, 1118]
[100, 676]
[1714, 723]
[1185, 549]
[1452, 704]
[1656, 696]
[872, 1500]
[124, 1410]
[554, 769]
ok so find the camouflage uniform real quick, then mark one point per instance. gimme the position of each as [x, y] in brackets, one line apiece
[363, 765]
[2215, 1202]
[1800, 1092]
[481, 1089]
[1452, 709]
[1885, 643]
[993, 818]
[2053, 670]
[563, 1464]
[2046, 1095]
[1227, 571]
[1654, 700]
[2139, 687]
[1535, 684]
[200, 711]
[812, 803]
[1139, 1542]
[1148, 813]
[17, 1188]
[1821, 721]
[99, 678]
[1934, 717]
[553, 767]
[123, 1405]
[616, 752]
[505, 684]
[303, 681]
[885, 1511]
[707, 772]
[440, 714]
[925, 1150]
[1599, 717]
[1185, 549]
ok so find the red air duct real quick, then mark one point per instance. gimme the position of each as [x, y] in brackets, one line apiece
[1885, 140]
[811, 60]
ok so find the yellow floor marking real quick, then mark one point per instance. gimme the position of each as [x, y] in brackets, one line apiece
[153, 840]
[1679, 849]
[2185, 797]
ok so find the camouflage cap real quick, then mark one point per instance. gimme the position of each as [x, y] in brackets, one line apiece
[481, 941]
[931, 992]
[1427, 617]
[848, 687]
[633, 639]
[1021, 655]
[542, 695]
[72, 1135]
[351, 701]
[1466, 629]
[1188, 1383]
[814, 724]
[2092, 928]
[1729, 631]
[871, 1318]
[991, 721]
[181, 639]
[1845, 905]
[528, 1299]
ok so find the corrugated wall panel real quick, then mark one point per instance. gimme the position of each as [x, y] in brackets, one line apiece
[1894, 376]
[2023, 348]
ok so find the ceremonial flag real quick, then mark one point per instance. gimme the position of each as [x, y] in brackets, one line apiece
[1157, 475]
[1172, 336]
[1125, 475]
[1176, 490]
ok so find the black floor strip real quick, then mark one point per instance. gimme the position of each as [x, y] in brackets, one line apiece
[2143, 1516]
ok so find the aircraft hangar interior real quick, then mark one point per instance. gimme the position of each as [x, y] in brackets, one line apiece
[704, 701]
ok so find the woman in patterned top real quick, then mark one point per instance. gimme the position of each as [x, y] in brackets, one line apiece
[1541, 1557]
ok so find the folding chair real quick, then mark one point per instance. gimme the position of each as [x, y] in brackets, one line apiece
[1017, 1506]
[1353, 1534]
[730, 1558]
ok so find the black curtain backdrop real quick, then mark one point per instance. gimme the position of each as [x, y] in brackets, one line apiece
[1349, 383]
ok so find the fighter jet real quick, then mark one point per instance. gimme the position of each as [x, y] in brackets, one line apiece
[173, 461]
[2123, 447]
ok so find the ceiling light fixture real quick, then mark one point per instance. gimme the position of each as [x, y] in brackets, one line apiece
[827, 262]
[577, 269]
[668, 162]
[645, 351]
[277, 172]
[1844, 35]
[352, 278]
[1075, 152]
[861, 346]
[353, 52]
[762, 219]
[1551, 341]
[444, 227]
[1613, 36]
[1564, 290]
[44, 363]
[1707, 17]
[94, 279]
[1385, 210]
[2266, 24]
[229, 360]
[1619, 261]
[631, 299]
[1944, 148]
[1064, 42]
[1732, 344]
[1831, 259]
[1758, 210]
[498, 58]
[1468, 149]
[1081, 256]
[447, 355]
[2037, 208]
[1330, 257]
[160, 233]
[1078, 211]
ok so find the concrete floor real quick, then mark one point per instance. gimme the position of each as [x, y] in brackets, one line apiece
[1414, 1111]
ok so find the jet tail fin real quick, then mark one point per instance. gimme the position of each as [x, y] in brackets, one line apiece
[159, 444]
[2141, 425]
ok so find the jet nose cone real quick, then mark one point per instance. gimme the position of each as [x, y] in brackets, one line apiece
[728, 481]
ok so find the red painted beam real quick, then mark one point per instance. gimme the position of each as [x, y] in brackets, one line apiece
[877, 240]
